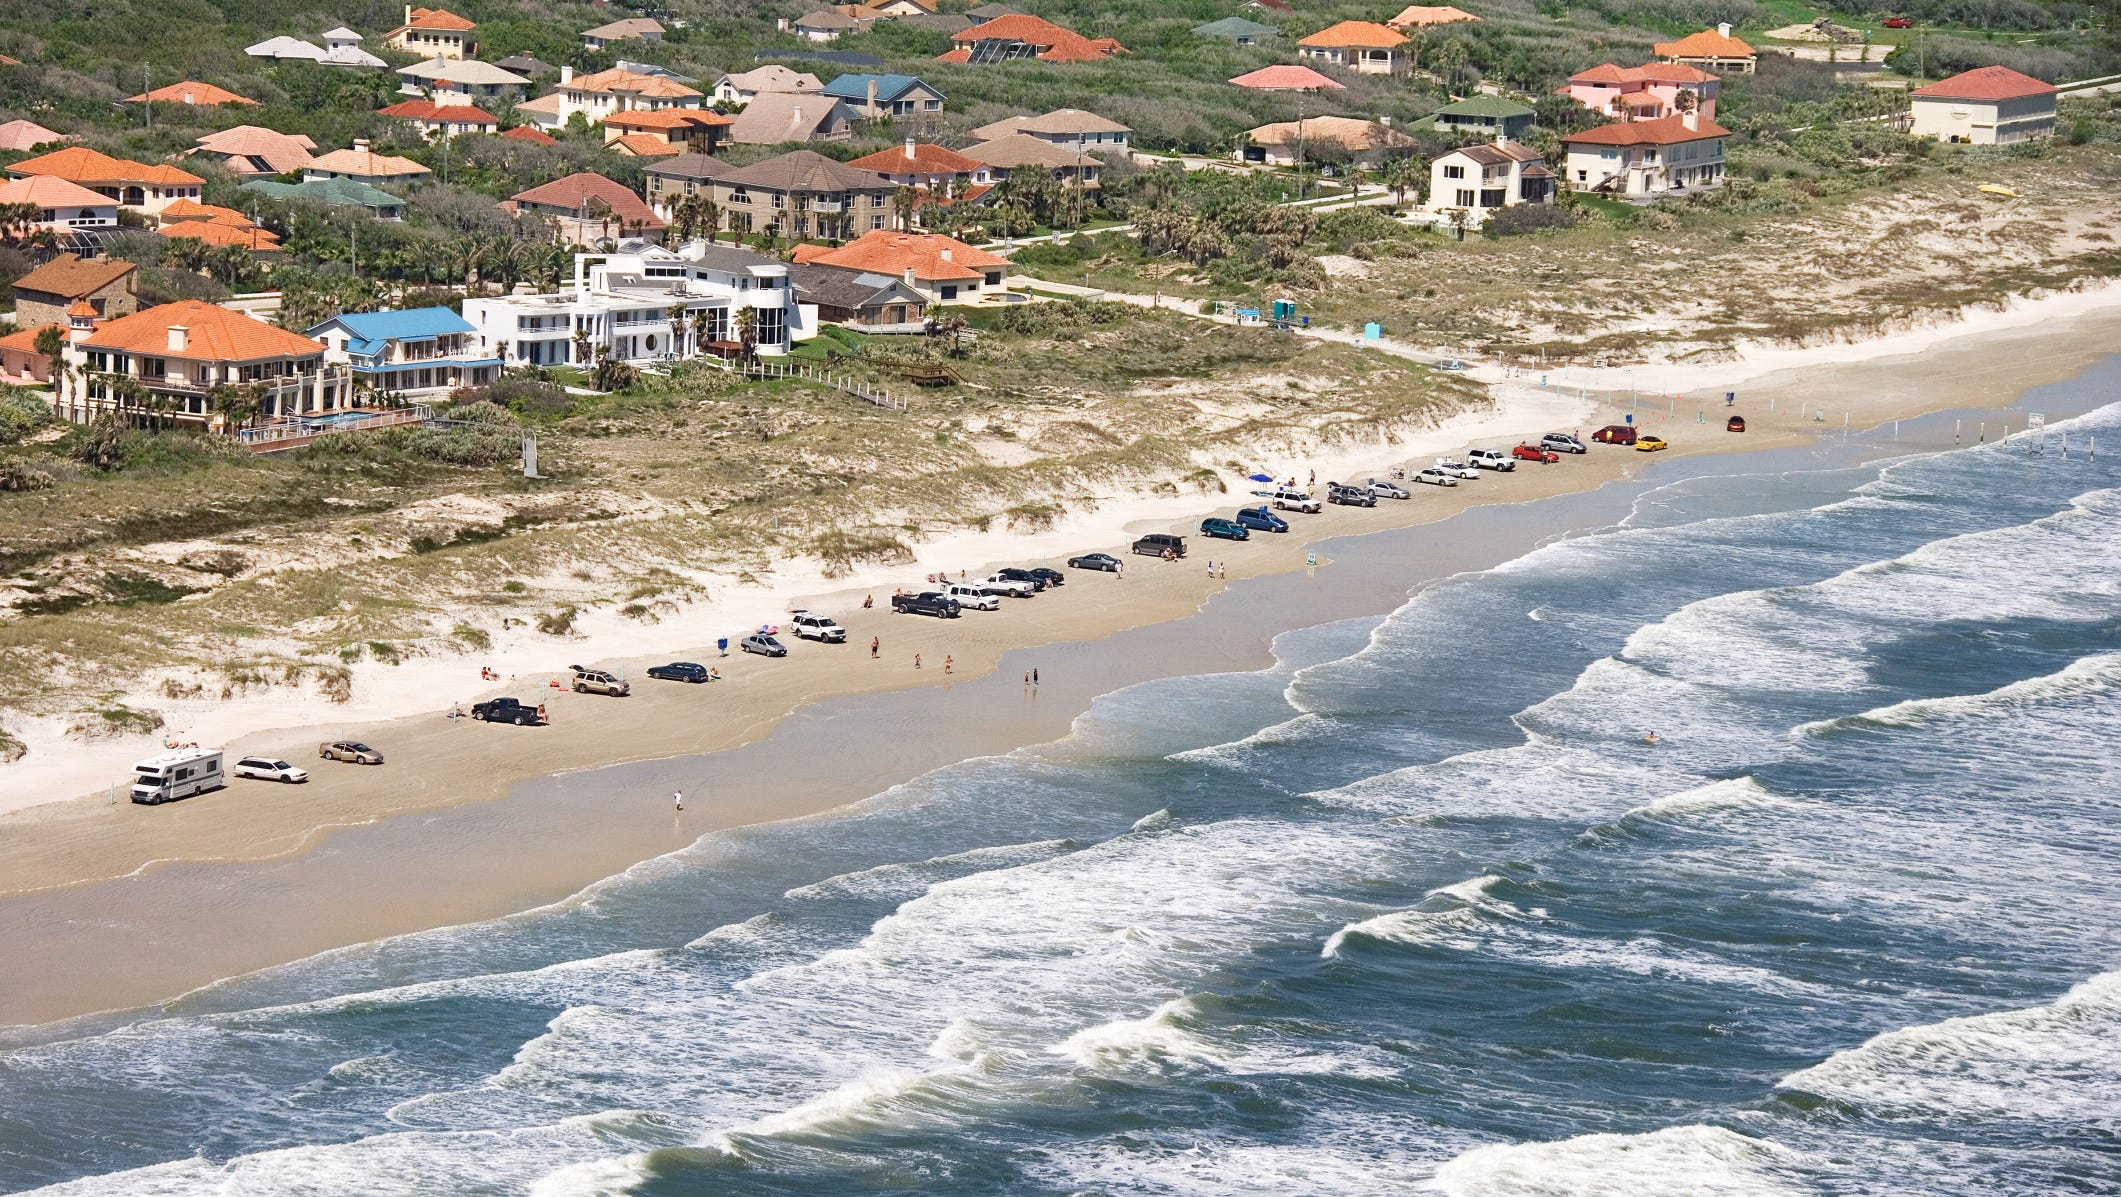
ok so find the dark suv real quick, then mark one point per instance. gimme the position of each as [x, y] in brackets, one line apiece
[1350, 496]
[1156, 544]
[942, 606]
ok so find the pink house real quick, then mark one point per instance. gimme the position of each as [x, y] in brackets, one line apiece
[1643, 93]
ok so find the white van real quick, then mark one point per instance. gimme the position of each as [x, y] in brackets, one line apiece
[980, 597]
[177, 774]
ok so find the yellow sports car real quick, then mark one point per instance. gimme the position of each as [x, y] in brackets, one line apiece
[1650, 444]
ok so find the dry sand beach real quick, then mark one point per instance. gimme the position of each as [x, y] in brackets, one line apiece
[442, 768]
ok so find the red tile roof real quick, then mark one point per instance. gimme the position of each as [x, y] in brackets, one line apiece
[46, 191]
[1665, 130]
[428, 110]
[930, 255]
[80, 164]
[643, 145]
[666, 118]
[1056, 44]
[214, 334]
[24, 135]
[616, 79]
[533, 136]
[573, 193]
[437, 18]
[186, 209]
[190, 92]
[219, 233]
[1422, 14]
[925, 159]
[26, 340]
[1363, 34]
[1285, 77]
[1986, 83]
[1706, 44]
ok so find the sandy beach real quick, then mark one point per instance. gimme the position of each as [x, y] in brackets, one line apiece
[66, 858]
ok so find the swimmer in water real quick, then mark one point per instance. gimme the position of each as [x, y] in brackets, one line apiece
[1650, 739]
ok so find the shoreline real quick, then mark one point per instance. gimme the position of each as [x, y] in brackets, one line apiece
[62, 846]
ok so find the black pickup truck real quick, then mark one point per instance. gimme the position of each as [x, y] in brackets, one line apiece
[505, 710]
[942, 606]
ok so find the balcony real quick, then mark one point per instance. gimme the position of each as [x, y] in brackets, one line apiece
[834, 204]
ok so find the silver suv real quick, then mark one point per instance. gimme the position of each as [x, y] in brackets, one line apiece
[596, 681]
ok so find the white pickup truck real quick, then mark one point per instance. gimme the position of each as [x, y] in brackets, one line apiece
[1013, 587]
[1491, 459]
[977, 596]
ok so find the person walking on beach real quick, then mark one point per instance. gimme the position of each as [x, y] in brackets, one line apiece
[876, 644]
[949, 663]
[916, 660]
[541, 714]
[677, 800]
[1034, 677]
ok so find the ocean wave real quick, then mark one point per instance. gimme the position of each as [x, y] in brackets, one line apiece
[1682, 1161]
[907, 878]
[1456, 912]
[2089, 677]
[2058, 1064]
[1729, 794]
[1153, 1040]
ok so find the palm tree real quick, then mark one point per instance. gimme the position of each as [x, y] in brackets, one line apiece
[1406, 174]
[747, 334]
[676, 312]
[903, 203]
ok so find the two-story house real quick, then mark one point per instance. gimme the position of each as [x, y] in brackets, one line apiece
[442, 120]
[804, 195]
[254, 150]
[143, 187]
[777, 118]
[885, 95]
[419, 353]
[918, 164]
[177, 354]
[433, 32]
[45, 295]
[459, 81]
[1364, 47]
[669, 180]
[647, 303]
[589, 209]
[666, 131]
[1480, 180]
[941, 269]
[1481, 116]
[61, 206]
[601, 93]
[1645, 92]
[1020, 35]
[1990, 105]
[1067, 128]
[627, 29]
[364, 165]
[1071, 166]
[1711, 50]
[1647, 159]
[742, 87]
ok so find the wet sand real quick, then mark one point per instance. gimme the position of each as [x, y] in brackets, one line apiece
[113, 906]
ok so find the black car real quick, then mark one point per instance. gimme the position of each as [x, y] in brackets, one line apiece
[942, 606]
[1156, 544]
[1022, 575]
[763, 645]
[1103, 561]
[504, 710]
[1049, 575]
[679, 671]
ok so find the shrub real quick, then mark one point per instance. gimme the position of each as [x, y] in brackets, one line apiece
[1528, 218]
[21, 413]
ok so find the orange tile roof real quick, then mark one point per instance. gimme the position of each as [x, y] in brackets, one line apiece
[24, 135]
[573, 193]
[1362, 34]
[26, 340]
[187, 209]
[190, 92]
[886, 252]
[534, 136]
[366, 164]
[1422, 14]
[1706, 44]
[82, 308]
[617, 79]
[1665, 130]
[437, 18]
[80, 164]
[46, 191]
[72, 276]
[666, 118]
[1654, 72]
[1057, 44]
[960, 54]
[1986, 83]
[1287, 78]
[926, 159]
[216, 233]
[643, 145]
[428, 110]
[213, 334]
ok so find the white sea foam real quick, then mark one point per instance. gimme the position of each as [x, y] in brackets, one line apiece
[2096, 676]
[1678, 1161]
[907, 878]
[1729, 794]
[1153, 1040]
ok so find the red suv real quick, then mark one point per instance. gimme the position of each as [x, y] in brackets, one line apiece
[1531, 452]
[1614, 434]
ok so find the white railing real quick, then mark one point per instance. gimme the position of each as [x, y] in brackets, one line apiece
[843, 383]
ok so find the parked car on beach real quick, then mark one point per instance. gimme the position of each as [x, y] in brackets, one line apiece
[977, 596]
[1014, 574]
[1217, 528]
[1456, 468]
[928, 602]
[1099, 561]
[265, 768]
[1259, 519]
[1650, 444]
[679, 671]
[1562, 442]
[1012, 587]
[505, 710]
[1290, 499]
[1389, 490]
[763, 645]
[1156, 544]
[353, 752]
[1049, 575]
[178, 773]
[821, 628]
[1491, 459]
[1435, 477]
[1532, 452]
[1350, 496]
[596, 681]
[1614, 434]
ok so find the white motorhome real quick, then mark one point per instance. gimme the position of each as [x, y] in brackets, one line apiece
[179, 773]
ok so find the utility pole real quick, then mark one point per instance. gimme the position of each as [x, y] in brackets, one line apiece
[147, 84]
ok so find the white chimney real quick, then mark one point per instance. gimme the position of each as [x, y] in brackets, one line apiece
[872, 97]
[1501, 138]
[1692, 120]
[360, 145]
[909, 276]
[798, 116]
[179, 337]
[909, 149]
[566, 75]
[1724, 28]
[946, 255]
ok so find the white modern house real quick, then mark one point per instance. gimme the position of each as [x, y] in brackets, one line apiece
[1647, 159]
[648, 304]
[1989, 105]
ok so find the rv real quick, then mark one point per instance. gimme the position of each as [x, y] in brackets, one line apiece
[178, 774]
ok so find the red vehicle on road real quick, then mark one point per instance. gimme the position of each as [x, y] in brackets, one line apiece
[1531, 452]
[1898, 23]
[1614, 434]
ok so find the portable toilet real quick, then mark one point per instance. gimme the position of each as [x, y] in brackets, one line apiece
[1373, 331]
[1285, 309]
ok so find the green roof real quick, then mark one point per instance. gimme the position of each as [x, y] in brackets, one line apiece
[343, 192]
[1485, 105]
[1235, 27]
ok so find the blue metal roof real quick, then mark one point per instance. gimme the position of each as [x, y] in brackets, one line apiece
[412, 324]
[856, 87]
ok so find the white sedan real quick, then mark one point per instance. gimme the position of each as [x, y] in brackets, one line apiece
[1435, 477]
[1456, 468]
[265, 768]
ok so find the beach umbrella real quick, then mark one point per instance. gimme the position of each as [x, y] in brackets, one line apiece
[1260, 478]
